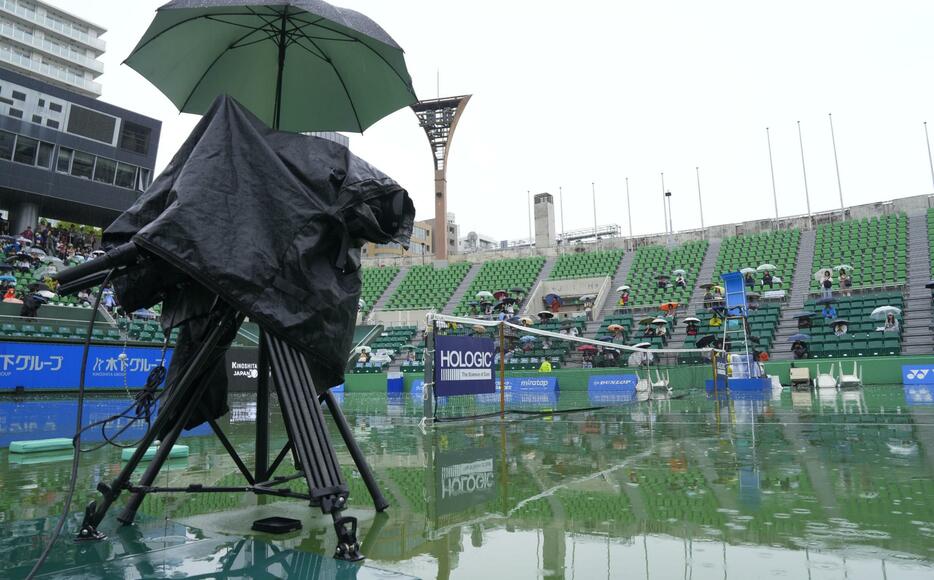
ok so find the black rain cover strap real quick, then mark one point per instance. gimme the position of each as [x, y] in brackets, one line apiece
[270, 221]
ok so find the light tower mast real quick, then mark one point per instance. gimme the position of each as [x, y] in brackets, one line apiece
[438, 117]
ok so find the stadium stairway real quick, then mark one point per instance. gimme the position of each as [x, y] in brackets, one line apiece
[916, 319]
[609, 306]
[461, 289]
[391, 289]
[547, 268]
[804, 267]
[679, 333]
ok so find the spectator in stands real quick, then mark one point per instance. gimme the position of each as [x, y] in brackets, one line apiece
[680, 282]
[624, 298]
[662, 331]
[891, 325]
[546, 343]
[749, 280]
[555, 306]
[28, 233]
[10, 294]
[588, 311]
[829, 312]
[839, 328]
[619, 337]
[708, 299]
[364, 357]
[804, 322]
[767, 279]
[826, 285]
[662, 282]
[573, 331]
[846, 283]
[649, 331]
[799, 350]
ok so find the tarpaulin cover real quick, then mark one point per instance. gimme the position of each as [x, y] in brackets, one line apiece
[270, 221]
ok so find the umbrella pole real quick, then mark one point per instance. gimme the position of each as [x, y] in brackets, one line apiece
[277, 110]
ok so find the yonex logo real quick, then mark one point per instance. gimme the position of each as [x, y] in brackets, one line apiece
[917, 373]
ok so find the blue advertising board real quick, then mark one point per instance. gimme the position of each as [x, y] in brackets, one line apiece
[919, 394]
[463, 366]
[612, 388]
[34, 365]
[918, 374]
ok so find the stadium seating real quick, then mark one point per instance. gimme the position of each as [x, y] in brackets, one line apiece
[876, 248]
[931, 237]
[375, 282]
[427, 287]
[391, 339]
[861, 338]
[502, 275]
[763, 322]
[586, 264]
[749, 251]
[652, 261]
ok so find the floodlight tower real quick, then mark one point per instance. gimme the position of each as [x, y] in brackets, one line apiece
[438, 117]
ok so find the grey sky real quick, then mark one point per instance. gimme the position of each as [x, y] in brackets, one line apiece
[569, 93]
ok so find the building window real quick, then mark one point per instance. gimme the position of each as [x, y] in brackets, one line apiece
[16, 113]
[134, 138]
[25, 150]
[6, 101]
[91, 124]
[51, 123]
[41, 103]
[82, 164]
[19, 96]
[64, 160]
[45, 155]
[37, 119]
[104, 170]
[126, 175]
[6, 145]
[55, 107]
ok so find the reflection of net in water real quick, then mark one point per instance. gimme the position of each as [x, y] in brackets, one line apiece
[595, 372]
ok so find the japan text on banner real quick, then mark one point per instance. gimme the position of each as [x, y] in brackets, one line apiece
[463, 365]
[58, 366]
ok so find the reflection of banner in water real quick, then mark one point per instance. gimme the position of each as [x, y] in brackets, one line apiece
[35, 365]
[612, 388]
[529, 390]
[48, 419]
[464, 478]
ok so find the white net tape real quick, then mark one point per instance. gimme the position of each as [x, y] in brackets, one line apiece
[434, 318]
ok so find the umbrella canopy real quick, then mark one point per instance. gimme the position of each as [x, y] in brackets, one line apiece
[844, 267]
[745, 271]
[837, 321]
[659, 321]
[624, 288]
[881, 312]
[47, 294]
[527, 338]
[662, 277]
[525, 320]
[38, 287]
[299, 65]
[776, 280]
[484, 295]
[753, 295]
[144, 313]
[364, 348]
[644, 344]
[545, 314]
[691, 320]
[407, 347]
[708, 286]
[930, 285]
[647, 320]
[766, 268]
[614, 327]
[517, 290]
[566, 323]
[705, 341]
[805, 315]
[479, 328]
[8, 278]
[4, 267]
[588, 297]
[508, 300]
[586, 348]
[800, 337]
[549, 298]
[37, 252]
[823, 301]
[678, 272]
[669, 306]
[819, 275]
[500, 294]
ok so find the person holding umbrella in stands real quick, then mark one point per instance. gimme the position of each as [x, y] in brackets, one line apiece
[891, 324]
[767, 279]
[799, 349]
[749, 280]
[826, 285]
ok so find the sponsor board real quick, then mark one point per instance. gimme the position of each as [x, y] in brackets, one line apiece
[919, 394]
[242, 368]
[918, 374]
[463, 365]
[34, 365]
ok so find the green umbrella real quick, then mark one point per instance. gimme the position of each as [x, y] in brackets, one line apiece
[299, 65]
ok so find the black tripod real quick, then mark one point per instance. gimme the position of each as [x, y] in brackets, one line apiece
[308, 439]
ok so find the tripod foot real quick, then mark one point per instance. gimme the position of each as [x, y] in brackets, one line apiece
[88, 531]
[348, 548]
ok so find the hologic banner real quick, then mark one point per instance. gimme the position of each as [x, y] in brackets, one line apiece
[917, 374]
[34, 365]
[612, 388]
[463, 366]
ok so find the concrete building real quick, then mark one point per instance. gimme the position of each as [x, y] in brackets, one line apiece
[419, 247]
[544, 210]
[51, 45]
[66, 156]
[477, 242]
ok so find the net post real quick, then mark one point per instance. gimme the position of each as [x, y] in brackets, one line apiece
[429, 382]
[502, 370]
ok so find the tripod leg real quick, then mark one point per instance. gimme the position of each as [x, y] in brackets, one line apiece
[128, 514]
[379, 502]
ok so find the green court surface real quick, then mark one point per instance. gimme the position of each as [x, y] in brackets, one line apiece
[799, 485]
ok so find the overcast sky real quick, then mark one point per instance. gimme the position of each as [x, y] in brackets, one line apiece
[565, 94]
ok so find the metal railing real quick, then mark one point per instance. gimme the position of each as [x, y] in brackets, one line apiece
[65, 29]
